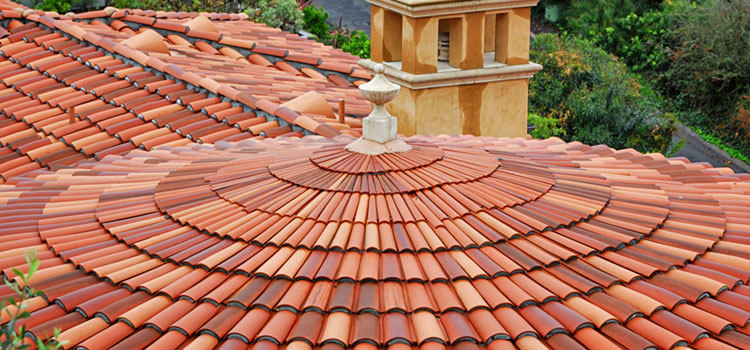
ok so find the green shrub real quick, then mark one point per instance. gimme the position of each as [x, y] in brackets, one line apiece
[708, 68]
[59, 6]
[315, 21]
[284, 14]
[637, 40]
[710, 65]
[355, 42]
[588, 17]
[546, 127]
[595, 98]
[358, 44]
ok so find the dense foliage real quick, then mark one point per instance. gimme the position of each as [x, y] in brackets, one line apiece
[595, 98]
[316, 22]
[545, 127]
[709, 68]
[692, 52]
[358, 44]
[589, 17]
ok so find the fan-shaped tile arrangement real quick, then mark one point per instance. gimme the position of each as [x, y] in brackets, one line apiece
[462, 242]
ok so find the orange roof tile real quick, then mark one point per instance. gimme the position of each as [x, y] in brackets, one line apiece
[122, 98]
[461, 241]
[205, 221]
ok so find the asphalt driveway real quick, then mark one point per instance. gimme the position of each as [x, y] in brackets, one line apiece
[354, 14]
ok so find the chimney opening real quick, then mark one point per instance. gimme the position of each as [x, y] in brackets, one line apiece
[444, 44]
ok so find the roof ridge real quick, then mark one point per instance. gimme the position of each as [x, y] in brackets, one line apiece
[351, 72]
[220, 16]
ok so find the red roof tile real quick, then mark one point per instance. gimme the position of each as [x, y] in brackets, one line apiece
[47, 76]
[493, 241]
[463, 242]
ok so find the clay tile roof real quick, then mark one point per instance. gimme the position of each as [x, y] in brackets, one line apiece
[174, 203]
[462, 241]
[106, 82]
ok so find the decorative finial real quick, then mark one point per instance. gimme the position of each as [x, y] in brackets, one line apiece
[379, 129]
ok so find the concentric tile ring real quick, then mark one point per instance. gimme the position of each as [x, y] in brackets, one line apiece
[335, 158]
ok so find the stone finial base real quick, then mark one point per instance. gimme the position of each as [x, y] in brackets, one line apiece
[379, 128]
[372, 148]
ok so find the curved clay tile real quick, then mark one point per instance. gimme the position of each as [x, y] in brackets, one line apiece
[202, 23]
[147, 40]
[311, 102]
[459, 241]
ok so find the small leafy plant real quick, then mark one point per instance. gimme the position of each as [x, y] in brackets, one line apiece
[711, 138]
[11, 335]
[358, 44]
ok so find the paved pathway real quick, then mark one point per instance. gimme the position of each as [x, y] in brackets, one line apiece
[355, 14]
[698, 150]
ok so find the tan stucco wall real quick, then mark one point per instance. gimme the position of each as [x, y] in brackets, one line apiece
[518, 36]
[419, 45]
[505, 108]
[385, 35]
[488, 109]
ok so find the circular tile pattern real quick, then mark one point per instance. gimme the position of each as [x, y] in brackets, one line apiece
[335, 158]
[557, 245]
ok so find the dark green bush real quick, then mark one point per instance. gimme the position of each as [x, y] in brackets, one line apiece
[315, 21]
[708, 68]
[596, 98]
[710, 64]
[637, 39]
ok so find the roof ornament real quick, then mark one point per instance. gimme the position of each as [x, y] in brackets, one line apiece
[379, 134]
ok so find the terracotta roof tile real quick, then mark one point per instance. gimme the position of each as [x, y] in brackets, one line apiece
[245, 241]
[69, 84]
[490, 286]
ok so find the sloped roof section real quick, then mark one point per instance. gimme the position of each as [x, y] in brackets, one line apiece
[463, 242]
[71, 90]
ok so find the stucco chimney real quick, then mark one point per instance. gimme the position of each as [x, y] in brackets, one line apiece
[463, 64]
